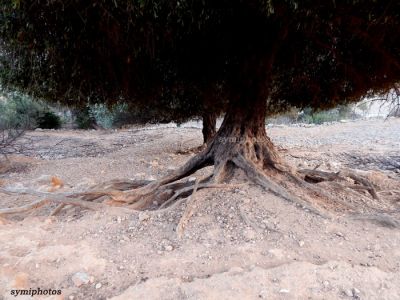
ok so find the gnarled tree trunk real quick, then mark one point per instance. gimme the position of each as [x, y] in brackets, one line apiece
[242, 136]
[209, 126]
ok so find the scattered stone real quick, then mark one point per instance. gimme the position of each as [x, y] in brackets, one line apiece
[98, 285]
[263, 294]
[284, 291]
[348, 293]
[80, 278]
[191, 179]
[301, 243]
[169, 248]
[356, 291]
[143, 216]
[154, 163]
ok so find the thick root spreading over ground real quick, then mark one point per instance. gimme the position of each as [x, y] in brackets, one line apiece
[235, 150]
[255, 157]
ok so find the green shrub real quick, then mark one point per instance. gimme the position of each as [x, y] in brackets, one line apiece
[84, 120]
[49, 120]
[103, 116]
[19, 111]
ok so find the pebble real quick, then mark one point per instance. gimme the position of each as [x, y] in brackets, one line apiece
[284, 291]
[98, 285]
[169, 248]
[348, 293]
[143, 217]
[80, 278]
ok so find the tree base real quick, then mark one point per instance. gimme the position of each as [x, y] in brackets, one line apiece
[241, 144]
[256, 158]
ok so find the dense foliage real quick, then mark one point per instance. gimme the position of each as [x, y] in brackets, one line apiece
[19, 111]
[173, 56]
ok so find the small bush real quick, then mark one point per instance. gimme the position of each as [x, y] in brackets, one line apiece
[100, 115]
[18, 111]
[84, 120]
[49, 120]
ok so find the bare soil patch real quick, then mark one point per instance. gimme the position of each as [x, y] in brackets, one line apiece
[240, 242]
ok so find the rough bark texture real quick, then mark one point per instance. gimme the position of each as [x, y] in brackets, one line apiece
[209, 126]
[243, 133]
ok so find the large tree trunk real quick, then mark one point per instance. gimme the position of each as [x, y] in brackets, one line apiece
[242, 136]
[209, 126]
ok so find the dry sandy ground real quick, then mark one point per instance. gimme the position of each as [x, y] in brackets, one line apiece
[241, 243]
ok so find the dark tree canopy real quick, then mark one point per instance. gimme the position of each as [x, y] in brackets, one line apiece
[173, 53]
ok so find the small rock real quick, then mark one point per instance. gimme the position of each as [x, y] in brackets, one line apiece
[301, 243]
[348, 293]
[154, 163]
[263, 294]
[284, 291]
[356, 291]
[169, 248]
[191, 179]
[71, 297]
[98, 285]
[80, 278]
[143, 216]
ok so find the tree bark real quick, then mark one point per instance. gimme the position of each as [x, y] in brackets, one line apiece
[243, 134]
[209, 126]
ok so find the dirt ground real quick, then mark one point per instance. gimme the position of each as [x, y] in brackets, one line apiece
[241, 243]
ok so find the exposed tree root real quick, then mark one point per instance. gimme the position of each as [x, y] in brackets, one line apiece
[258, 177]
[380, 219]
[55, 198]
[233, 148]
[359, 183]
[187, 214]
